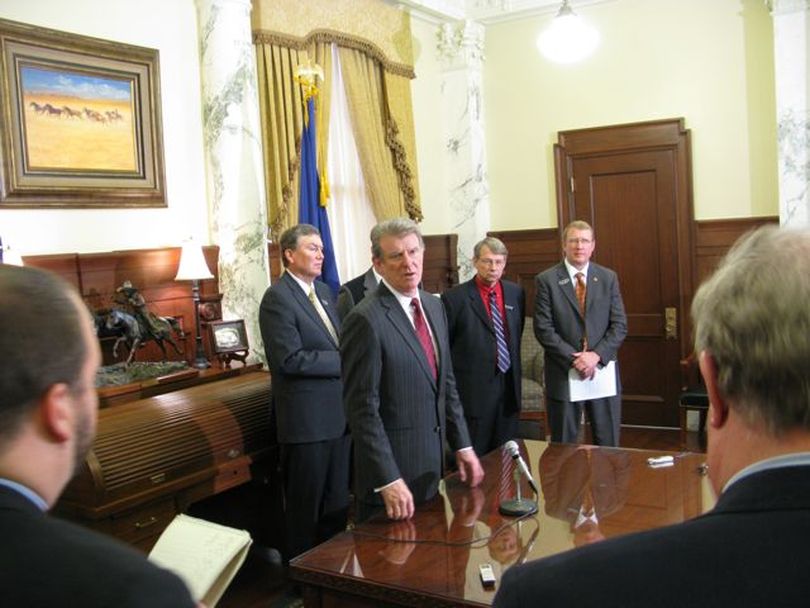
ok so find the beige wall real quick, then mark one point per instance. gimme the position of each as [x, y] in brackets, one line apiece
[710, 62]
[170, 27]
[430, 143]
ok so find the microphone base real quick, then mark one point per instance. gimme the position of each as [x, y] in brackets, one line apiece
[517, 507]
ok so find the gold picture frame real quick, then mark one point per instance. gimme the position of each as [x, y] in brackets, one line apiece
[80, 121]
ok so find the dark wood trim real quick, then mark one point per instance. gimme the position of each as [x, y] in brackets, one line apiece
[530, 252]
[97, 275]
[713, 238]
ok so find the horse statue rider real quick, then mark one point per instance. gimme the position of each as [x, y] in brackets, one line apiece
[138, 325]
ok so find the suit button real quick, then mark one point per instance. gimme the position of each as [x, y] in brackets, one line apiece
[437, 429]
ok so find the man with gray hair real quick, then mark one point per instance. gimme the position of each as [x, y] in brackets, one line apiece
[48, 411]
[398, 385]
[752, 336]
[485, 316]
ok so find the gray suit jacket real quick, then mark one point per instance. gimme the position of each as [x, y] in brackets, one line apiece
[559, 326]
[304, 363]
[472, 343]
[399, 416]
[352, 292]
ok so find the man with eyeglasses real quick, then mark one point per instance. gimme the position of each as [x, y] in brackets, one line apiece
[485, 318]
[580, 322]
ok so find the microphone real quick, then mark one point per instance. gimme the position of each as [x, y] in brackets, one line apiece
[512, 448]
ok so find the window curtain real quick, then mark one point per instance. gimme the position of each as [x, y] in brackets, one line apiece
[381, 113]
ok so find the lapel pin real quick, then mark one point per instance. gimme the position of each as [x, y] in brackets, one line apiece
[564, 282]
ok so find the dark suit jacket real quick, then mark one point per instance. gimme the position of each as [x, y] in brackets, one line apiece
[472, 345]
[399, 415]
[45, 561]
[745, 552]
[559, 326]
[304, 363]
[352, 292]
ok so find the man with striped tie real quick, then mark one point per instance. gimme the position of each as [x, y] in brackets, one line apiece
[485, 318]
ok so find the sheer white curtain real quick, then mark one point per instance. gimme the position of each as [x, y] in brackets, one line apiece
[350, 214]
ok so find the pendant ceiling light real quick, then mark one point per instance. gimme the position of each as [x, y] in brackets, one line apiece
[568, 39]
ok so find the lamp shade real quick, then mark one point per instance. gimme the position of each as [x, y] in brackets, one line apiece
[11, 256]
[568, 39]
[192, 264]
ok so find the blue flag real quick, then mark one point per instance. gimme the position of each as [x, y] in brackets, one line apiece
[310, 210]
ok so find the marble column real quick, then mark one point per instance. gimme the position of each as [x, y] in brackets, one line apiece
[791, 34]
[461, 49]
[233, 159]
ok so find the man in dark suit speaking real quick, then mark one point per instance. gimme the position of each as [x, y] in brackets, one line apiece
[752, 336]
[48, 411]
[485, 317]
[579, 319]
[398, 385]
[300, 328]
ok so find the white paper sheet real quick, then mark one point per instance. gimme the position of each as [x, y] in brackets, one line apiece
[603, 384]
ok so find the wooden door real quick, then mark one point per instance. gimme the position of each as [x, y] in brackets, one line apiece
[632, 183]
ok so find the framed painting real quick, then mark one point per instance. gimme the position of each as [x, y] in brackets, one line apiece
[79, 121]
[228, 336]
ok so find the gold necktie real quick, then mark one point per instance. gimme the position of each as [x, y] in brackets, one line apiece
[581, 289]
[322, 313]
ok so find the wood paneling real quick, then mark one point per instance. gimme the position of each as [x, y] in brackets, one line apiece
[715, 237]
[530, 252]
[97, 275]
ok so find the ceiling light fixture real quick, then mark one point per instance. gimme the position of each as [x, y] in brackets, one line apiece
[568, 39]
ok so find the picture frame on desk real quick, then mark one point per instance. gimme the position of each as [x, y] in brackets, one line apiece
[228, 336]
[80, 125]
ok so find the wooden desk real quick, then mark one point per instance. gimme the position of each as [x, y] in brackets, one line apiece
[433, 559]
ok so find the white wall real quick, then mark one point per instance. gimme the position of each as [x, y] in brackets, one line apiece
[171, 27]
[709, 61]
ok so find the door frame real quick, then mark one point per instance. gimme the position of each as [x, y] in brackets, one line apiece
[657, 135]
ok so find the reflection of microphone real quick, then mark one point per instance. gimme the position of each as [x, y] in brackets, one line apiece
[512, 448]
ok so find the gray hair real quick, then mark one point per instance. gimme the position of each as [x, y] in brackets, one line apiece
[577, 225]
[42, 338]
[753, 317]
[496, 246]
[399, 227]
[289, 238]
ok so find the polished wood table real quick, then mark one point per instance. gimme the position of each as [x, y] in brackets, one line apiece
[587, 494]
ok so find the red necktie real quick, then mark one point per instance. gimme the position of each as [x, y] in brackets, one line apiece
[424, 336]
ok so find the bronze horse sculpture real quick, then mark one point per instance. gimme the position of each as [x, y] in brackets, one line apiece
[135, 334]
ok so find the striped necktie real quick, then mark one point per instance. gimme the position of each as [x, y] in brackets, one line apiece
[504, 360]
[313, 297]
[422, 332]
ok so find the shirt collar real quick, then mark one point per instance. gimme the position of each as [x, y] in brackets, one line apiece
[27, 492]
[777, 462]
[301, 282]
[573, 270]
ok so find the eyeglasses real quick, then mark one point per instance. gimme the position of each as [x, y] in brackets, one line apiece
[491, 262]
[578, 241]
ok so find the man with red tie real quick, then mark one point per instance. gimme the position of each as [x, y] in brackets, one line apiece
[485, 318]
[398, 385]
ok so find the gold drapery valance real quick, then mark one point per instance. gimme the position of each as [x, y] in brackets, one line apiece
[340, 39]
